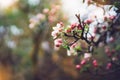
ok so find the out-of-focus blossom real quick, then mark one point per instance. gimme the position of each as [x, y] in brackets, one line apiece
[46, 10]
[109, 65]
[57, 30]
[45, 46]
[83, 62]
[57, 43]
[40, 16]
[36, 20]
[95, 63]
[78, 67]
[71, 52]
[87, 55]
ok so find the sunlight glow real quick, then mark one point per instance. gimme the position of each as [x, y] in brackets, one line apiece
[6, 3]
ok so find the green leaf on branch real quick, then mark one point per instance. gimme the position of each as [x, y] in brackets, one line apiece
[118, 47]
[86, 28]
[79, 31]
[66, 47]
[78, 48]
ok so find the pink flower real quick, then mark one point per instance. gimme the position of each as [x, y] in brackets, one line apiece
[83, 62]
[92, 37]
[57, 30]
[112, 17]
[57, 43]
[95, 30]
[40, 16]
[111, 39]
[109, 65]
[88, 21]
[79, 27]
[59, 27]
[107, 50]
[68, 30]
[54, 34]
[87, 55]
[72, 26]
[78, 67]
[31, 25]
[104, 27]
[46, 10]
[95, 64]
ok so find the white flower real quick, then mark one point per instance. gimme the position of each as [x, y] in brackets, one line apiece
[57, 43]
[87, 55]
[71, 52]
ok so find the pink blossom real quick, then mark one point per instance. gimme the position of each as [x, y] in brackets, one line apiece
[107, 50]
[73, 25]
[95, 64]
[31, 25]
[109, 65]
[112, 17]
[87, 55]
[57, 43]
[40, 16]
[111, 39]
[83, 62]
[46, 10]
[88, 21]
[54, 34]
[68, 30]
[57, 30]
[78, 67]
[104, 27]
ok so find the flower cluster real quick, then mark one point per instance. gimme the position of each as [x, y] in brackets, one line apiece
[82, 37]
[49, 15]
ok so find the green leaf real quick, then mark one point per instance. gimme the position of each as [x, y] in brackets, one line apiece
[86, 28]
[78, 48]
[66, 47]
[79, 31]
[118, 47]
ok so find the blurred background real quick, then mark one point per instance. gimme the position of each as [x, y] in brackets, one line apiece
[26, 45]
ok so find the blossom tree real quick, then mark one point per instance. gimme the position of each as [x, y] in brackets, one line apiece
[90, 37]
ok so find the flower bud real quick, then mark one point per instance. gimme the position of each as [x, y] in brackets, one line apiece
[95, 64]
[78, 67]
[111, 39]
[104, 27]
[68, 30]
[109, 65]
[111, 17]
[83, 62]
[87, 55]
[72, 26]
[54, 34]
[88, 21]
